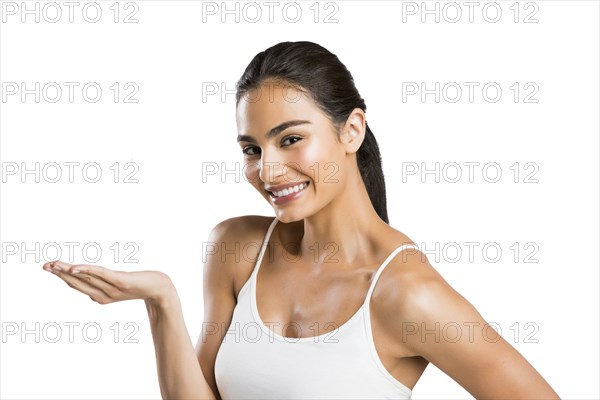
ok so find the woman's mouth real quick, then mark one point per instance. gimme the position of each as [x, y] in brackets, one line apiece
[288, 194]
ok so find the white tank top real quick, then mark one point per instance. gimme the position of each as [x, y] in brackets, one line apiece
[254, 362]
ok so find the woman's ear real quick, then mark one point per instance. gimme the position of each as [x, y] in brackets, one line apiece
[354, 130]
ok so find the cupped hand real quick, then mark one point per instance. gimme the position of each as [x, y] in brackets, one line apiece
[106, 286]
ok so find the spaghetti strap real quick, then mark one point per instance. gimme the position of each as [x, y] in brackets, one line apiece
[384, 264]
[264, 245]
[256, 362]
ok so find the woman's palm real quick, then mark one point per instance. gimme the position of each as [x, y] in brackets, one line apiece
[105, 286]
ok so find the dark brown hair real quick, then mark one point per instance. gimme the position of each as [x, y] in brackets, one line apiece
[313, 69]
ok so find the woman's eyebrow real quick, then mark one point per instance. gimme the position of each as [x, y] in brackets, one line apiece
[274, 131]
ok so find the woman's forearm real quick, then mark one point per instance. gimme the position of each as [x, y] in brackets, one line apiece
[179, 373]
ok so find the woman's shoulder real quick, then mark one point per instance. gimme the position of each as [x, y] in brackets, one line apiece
[414, 286]
[239, 229]
[411, 277]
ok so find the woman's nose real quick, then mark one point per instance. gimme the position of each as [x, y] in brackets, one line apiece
[271, 167]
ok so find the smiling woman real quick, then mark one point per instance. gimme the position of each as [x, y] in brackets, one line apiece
[346, 304]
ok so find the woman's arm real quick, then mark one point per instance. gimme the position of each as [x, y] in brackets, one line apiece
[220, 293]
[179, 372]
[440, 325]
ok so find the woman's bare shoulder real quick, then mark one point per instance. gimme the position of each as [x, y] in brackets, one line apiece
[411, 279]
[233, 247]
[240, 229]
[415, 292]
[412, 270]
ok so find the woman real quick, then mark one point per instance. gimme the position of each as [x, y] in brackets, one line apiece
[344, 305]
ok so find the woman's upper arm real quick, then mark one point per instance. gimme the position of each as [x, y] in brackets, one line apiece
[442, 326]
[219, 298]
[218, 285]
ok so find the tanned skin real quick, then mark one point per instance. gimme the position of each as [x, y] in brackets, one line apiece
[336, 241]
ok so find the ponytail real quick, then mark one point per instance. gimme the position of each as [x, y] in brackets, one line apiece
[371, 170]
[318, 71]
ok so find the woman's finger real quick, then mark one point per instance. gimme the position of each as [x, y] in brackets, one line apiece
[103, 278]
[80, 285]
[112, 277]
[98, 290]
[58, 266]
[106, 287]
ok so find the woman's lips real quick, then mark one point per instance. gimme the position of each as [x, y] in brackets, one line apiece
[288, 194]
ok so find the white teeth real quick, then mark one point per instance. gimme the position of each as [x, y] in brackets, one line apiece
[294, 189]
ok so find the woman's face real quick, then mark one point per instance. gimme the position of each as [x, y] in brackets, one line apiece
[291, 153]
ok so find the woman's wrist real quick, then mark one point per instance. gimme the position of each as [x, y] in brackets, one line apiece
[165, 297]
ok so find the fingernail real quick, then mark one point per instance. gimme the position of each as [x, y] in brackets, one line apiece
[56, 268]
[76, 271]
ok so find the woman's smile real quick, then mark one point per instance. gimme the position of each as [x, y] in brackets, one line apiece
[287, 193]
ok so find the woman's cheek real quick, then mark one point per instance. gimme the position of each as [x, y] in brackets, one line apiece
[304, 166]
[319, 166]
[251, 172]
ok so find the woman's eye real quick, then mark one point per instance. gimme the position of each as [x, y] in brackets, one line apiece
[250, 150]
[253, 150]
[294, 138]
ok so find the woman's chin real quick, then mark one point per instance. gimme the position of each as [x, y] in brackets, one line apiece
[287, 217]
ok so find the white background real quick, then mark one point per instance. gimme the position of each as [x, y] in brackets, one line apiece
[171, 134]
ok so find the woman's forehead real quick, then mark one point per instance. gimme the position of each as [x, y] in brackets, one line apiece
[268, 105]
